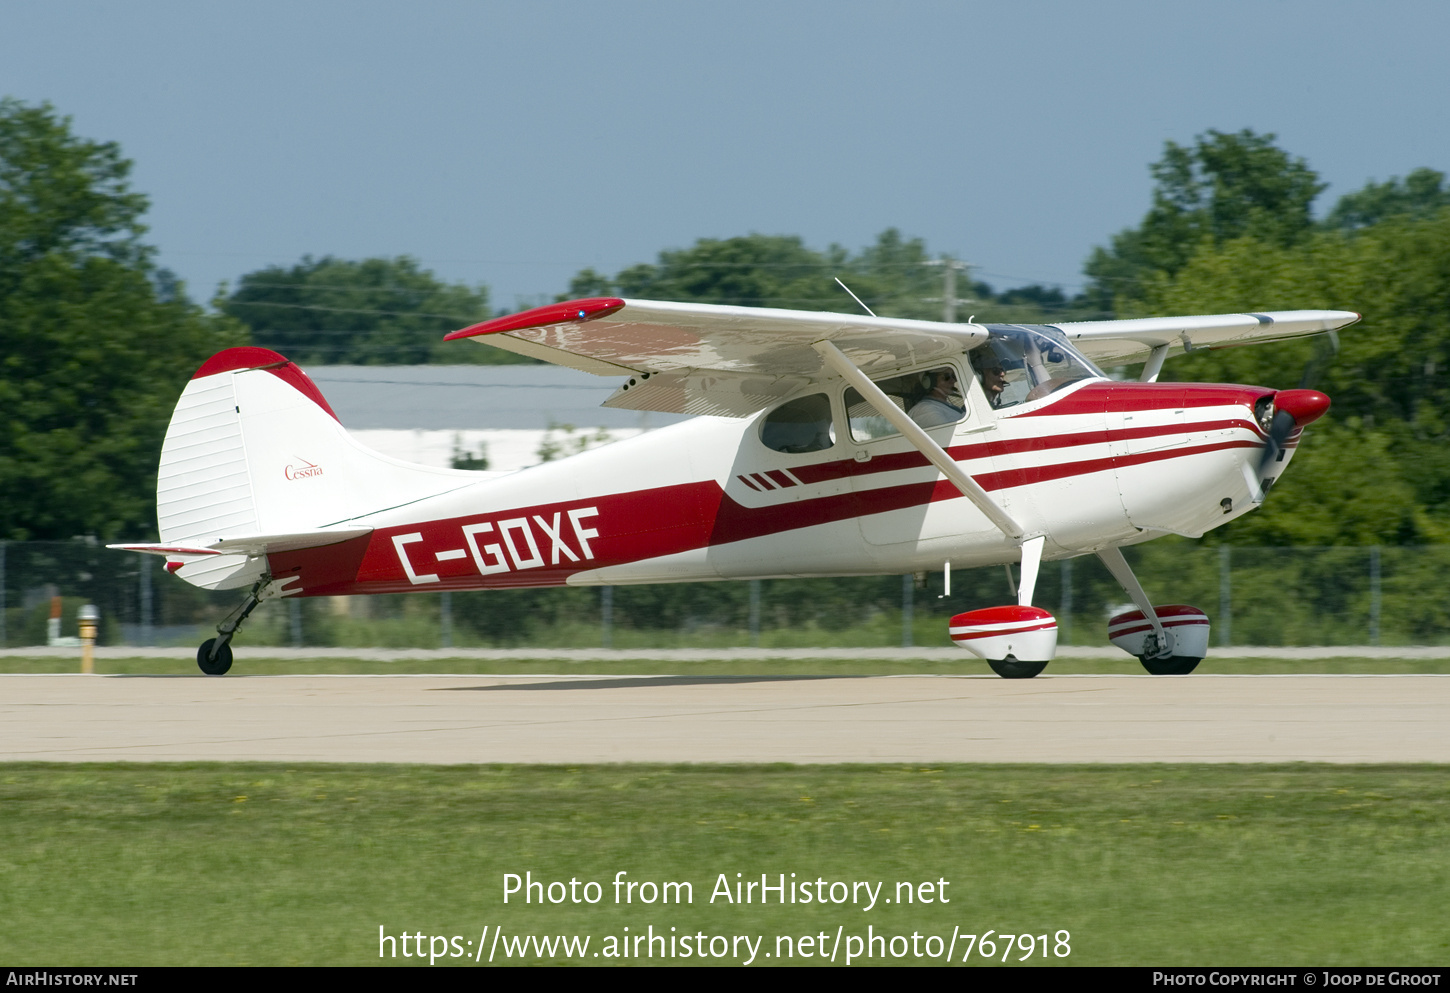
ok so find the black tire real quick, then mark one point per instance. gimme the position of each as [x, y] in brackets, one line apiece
[223, 660]
[1010, 668]
[1173, 665]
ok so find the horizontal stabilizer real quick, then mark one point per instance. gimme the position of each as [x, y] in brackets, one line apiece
[165, 549]
[254, 544]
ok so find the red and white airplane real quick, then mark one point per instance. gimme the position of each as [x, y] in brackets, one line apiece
[837, 445]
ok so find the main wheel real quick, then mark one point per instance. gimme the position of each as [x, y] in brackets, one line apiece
[1173, 665]
[223, 660]
[1011, 668]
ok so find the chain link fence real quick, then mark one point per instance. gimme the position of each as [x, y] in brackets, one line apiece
[1254, 596]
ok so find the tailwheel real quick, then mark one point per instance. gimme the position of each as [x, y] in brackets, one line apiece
[1012, 668]
[1172, 665]
[214, 659]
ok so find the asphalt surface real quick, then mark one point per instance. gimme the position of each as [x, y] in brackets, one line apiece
[804, 719]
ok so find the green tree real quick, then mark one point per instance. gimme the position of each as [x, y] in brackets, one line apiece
[1224, 186]
[1377, 468]
[751, 271]
[1419, 195]
[369, 312]
[96, 343]
[896, 277]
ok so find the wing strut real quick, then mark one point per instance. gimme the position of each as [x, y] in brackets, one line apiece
[1112, 557]
[1154, 365]
[938, 457]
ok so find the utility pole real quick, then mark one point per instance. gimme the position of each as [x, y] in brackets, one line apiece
[948, 298]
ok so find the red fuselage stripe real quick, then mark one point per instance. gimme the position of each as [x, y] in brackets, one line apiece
[896, 461]
[632, 527]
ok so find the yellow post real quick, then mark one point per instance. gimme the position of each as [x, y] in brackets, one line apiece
[87, 618]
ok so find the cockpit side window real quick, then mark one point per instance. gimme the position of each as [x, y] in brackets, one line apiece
[800, 425]
[930, 397]
[1019, 365]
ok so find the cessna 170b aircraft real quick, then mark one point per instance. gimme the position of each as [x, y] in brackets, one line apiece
[838, 445]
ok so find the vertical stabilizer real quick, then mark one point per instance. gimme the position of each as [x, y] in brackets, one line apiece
[253, 448]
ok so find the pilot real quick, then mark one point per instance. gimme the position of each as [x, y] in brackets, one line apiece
[994, 378]
[937, 407]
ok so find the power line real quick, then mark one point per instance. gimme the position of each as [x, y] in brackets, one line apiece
[349, 310]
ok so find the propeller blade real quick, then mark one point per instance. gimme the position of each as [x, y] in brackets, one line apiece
[1283, 425]
[1293, 410]
[1326, 347]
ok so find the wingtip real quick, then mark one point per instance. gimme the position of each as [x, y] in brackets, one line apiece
[587, 309]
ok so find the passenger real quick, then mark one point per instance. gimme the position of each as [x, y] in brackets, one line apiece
[937, 408]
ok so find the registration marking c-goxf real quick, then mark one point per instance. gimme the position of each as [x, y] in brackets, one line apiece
[399, 540]
[518, 548]
[521, 525]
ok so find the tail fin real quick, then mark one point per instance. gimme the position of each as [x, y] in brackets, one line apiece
[254, 450]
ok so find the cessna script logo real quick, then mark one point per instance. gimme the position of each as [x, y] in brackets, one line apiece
[304, 471]
[531, 541]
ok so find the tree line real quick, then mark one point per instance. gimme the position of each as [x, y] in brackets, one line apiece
[98, 339]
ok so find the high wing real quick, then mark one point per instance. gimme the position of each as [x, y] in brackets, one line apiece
[1122, 342]
[695, 358]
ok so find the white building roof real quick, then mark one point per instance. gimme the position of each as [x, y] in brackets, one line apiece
[457, 397]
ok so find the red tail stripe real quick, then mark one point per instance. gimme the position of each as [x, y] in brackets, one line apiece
[251, 357]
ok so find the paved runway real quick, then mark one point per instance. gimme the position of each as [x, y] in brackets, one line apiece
[464, 719]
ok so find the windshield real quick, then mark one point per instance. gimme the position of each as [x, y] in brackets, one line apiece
[1019, 364]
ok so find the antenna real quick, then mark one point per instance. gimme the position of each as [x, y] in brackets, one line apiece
[855, 297]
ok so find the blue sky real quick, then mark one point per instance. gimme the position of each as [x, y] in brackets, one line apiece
[514, 143]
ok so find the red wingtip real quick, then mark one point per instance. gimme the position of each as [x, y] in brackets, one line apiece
[1305, 406]
[555, 313]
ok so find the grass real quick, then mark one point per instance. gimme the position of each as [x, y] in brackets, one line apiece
[266, 864]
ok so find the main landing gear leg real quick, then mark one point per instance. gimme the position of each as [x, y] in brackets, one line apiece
[1012, 667]
[215, 654]
[1157, 649]
[1019, 641]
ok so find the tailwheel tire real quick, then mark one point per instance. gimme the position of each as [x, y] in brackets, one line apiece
[1173, 665]
[1010, 668]
[220, 665]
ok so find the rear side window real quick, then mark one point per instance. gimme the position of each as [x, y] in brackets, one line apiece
[802, 425]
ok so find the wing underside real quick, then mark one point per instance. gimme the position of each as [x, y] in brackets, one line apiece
[706, 359]
[692, 358]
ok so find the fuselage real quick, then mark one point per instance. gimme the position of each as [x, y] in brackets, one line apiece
[1094, 464]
